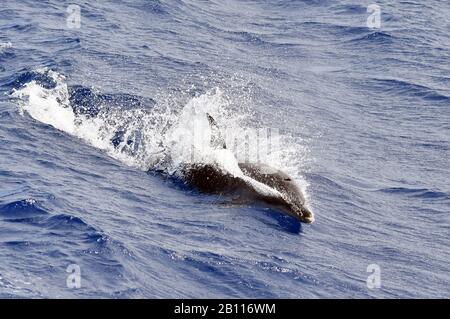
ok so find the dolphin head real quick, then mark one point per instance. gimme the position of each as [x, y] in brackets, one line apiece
[291, 201]
[292, 204]
[295, 204]
[300, 212]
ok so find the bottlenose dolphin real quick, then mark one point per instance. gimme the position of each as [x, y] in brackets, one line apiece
[248, 182]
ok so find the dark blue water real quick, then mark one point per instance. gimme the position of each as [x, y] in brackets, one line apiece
[364, 116]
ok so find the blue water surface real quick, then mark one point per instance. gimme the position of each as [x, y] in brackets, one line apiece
[371, 106]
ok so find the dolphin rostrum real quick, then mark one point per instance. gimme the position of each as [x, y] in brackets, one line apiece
[248, 182]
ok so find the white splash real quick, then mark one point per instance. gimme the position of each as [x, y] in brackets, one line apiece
[169, 137]
[5, 45]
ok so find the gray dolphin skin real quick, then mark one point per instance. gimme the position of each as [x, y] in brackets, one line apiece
[283, 195]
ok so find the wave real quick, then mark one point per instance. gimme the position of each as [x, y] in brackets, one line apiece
[155, 7]
[334, 28]
[29, 211]
[404, 87]
[253, 38]
[25, 208]
[377, 37]
[350, 9]
[36, 233]
[39, 77]
[424, 193]
[27, 27]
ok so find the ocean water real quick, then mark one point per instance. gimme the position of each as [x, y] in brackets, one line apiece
[96, 115]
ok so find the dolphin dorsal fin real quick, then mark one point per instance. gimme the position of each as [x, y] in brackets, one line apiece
[217, 141]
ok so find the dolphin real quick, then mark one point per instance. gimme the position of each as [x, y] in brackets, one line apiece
[247, 183]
